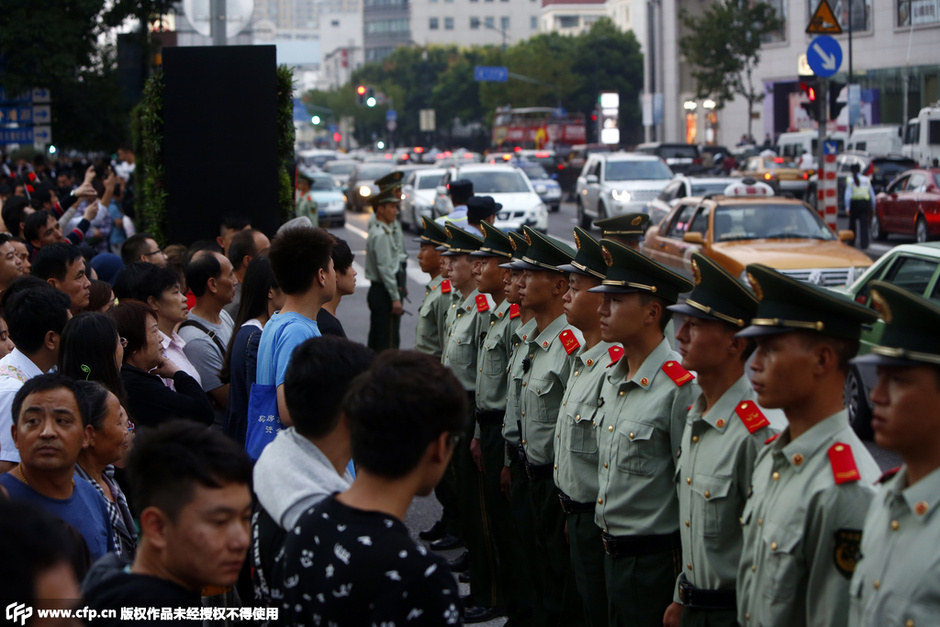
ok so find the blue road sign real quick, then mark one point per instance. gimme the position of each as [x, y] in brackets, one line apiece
[16, 135]
[824, 56]
[391, 115]
[830, 147]
[492, 73]
[333, 128]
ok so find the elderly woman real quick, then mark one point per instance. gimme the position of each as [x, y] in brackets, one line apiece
[109, 443]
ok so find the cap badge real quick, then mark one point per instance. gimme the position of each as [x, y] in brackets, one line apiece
[577, 240]
[528, 240]
[758, 292]
[449, 234]
[696, 273]
[881, 306]
[512, 243]
[636, 221]
[608, 258]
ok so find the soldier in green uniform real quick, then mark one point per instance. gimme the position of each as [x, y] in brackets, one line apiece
[545, 373]
[491, 396]
[724, 431]
[639, 428]
[461, 352]
[384, 252]
[897, 581]
[576, 446]
[628, 229]
[429, 334]
[812, 485]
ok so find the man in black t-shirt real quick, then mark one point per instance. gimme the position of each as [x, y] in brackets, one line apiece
[350, 561]
[190, 489]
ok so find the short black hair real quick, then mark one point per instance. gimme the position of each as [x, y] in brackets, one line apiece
[34, 224]
[297, 255]
[32, 308]
[665, 313]
[166, 464]
[43, 383]
[142, 280]
[92, 399]
[243, 243]
[53, 261]
[202, 267]
[13, 213]
[135, 246]
[405, 401]
[234, 222]
[318, 375]
[342, 255]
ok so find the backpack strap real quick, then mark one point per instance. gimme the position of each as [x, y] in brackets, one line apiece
[209, 332]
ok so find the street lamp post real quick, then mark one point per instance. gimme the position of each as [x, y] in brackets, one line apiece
[498, 30]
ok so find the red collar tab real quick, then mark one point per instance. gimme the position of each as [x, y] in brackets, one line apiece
[569, 340]
[482, 303]
[844, 469]
[615, 352]
[514, 312]
[751, 415]
[772, 438]
[679, 375]
[889, 474]
[445, 286]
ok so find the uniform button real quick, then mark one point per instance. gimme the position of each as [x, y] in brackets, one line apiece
[593, 423]
[564, 403]
[531, 355]
[523, 414]
[741, 519]
[708, 494]
[797, 459]
[694, 439]
[632, 435]
[523, 442]
[689, 566]
[773, 546]
[622, 393]
[753, 568]
[556, 466]
[876, 584]
[523, 385]
[504, 425]
[577, 372]
[776, 475]
[558, 436]
[492, 322]
[688, 480]
[577, 417]
[589, 362]
[458, 342]
[544, 344]
[921, 508]
[760, 522]
[538, 390]
[610, 428]
[909, 623]
[895, 525]
[747, 616]
[644, 381]
[605, 464]
[600, 501]
[481, 369]
[720, 423]
[687, 523]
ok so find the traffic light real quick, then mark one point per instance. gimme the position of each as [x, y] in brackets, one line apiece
[361, 94]
[812, 107]
[834, 106]
[370, 97]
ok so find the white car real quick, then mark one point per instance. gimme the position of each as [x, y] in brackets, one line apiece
[615, 183]
[417, 197]
[508, 186]
[683, 186]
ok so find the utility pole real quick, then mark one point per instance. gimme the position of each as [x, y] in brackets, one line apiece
[217, 22]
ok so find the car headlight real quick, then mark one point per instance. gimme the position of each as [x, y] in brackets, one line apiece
[620, 195]
[365, 191]
[540, 189]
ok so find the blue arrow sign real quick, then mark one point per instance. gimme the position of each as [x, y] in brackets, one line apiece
[830, 147]
[491, 73]
[824, 56]
[391, 115]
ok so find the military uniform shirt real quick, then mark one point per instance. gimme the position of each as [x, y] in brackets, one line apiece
[429, 333]
[452, 304]
[492, 383]
[543, 386]
[801, 529]
[463, 343]
[897, 581]
[713, 476]
[382, 258]
[576, 450]
[514, 381]
[639, 429]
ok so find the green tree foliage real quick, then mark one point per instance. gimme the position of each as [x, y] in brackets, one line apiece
[723, 47]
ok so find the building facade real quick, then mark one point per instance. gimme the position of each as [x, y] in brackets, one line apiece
[474, 22]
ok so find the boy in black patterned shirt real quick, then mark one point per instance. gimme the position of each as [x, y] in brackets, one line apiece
[350, 560]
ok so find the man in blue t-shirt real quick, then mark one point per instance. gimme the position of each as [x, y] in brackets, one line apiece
[303, 266]
[50, 431]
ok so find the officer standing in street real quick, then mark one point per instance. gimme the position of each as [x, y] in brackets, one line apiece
[639, 428]
[545, 373]
[384, 253]
[460, 192]
[576, 445]
[481, 209]
[429, 334]
[859, 200]
[724, 430]
[897, 581]
[812, 485]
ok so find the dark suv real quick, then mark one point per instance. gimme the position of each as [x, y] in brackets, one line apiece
[681, 158]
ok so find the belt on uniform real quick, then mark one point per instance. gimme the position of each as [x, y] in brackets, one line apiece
[635, 546]
[570, 506]
[702, 599]
[515, 453]
[538, 472]
[490, 417]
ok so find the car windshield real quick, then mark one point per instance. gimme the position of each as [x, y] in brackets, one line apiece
[778, 163]
[373, 172]
[429, 181]
[496, 182]
[637, 171]
[535, 172]
[700, 189]
[340, 167]
[890, 169]
[323, 184]
[769, 221]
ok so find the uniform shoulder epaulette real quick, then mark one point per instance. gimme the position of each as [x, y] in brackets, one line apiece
[679, 375]
[616, 353]
[482, 303]
[772, 438]
[751, 415]
[888, 474]
[843, 465]
[445, 286]
[514, 311]
[569, 340]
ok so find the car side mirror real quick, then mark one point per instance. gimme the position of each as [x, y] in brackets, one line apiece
[845, 235]
[693, 237]
[591, 178]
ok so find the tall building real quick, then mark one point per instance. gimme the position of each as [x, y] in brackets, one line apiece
[474, 22]
[571, 17]
[385, 26]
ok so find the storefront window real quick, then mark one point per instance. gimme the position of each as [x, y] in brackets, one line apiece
[913, 12]
[780, 7]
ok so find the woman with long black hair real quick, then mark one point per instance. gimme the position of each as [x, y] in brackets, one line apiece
[92, 350]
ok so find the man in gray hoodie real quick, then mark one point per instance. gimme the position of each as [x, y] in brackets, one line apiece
[308, 461]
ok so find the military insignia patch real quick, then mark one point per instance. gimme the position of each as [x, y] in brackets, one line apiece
[569, 340]
[514, 312]
[843, 465]
[847, 550]
[880, 305]
[679, 375]
[608, 258]
[577, 240]
[751, 415]
[758, 292]
[615, 352]
[636, 221]
[696, 273]
[445, 286]
[482, 303]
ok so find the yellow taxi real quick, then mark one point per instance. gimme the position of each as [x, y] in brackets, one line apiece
[747, 224]
[781, 173]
